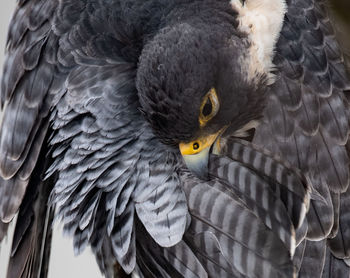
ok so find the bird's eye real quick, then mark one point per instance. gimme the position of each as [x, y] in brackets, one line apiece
[195, 146]
[209, 107]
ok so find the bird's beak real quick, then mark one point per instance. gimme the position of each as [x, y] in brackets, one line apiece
[196, 153]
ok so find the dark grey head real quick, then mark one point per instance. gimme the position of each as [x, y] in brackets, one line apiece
[193, 83]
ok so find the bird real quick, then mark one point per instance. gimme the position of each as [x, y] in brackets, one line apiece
[183, 138]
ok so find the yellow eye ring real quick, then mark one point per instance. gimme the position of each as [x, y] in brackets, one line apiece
[212, 97]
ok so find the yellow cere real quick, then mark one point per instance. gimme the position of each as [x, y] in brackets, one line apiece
[198, 145]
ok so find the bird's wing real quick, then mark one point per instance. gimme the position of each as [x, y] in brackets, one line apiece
[340, 243]
[61, 81]
[313, 258]
[26, 90]
[111, 166]
[306, 120]
[244, 220]
[27, 87]
[334, 267]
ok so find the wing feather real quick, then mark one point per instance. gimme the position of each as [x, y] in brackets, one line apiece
[25, 89]
[60, 76]
[313, 259]
[335, 267]
[307, 123]
[104, 146]
[340, 244]
[236, 232]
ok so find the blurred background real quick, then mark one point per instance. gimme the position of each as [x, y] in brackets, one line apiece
[341, 17]
[63, 263]
[342, 9]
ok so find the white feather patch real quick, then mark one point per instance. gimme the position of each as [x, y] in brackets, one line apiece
[262, 20]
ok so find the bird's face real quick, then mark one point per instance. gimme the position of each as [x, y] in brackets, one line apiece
[193, 89]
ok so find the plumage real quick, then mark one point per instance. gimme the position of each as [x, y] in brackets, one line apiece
[234, 235]
[334, 267]
[103, 101]
[313, 259]
[340, 245]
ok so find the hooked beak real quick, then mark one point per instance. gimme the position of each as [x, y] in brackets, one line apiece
[196, 153]
[198, 163]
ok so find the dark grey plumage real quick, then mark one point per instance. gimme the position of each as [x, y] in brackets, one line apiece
[313, 259]
[339, 244]
[307, 121]
[92, 90]
[237, 229]
[334, 267]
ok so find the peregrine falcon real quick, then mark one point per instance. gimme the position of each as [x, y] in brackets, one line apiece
[177, 138]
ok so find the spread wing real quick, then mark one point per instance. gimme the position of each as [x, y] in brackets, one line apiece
[306, 120]
[65, 95]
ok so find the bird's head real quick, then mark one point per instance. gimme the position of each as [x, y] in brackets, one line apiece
[194, 88]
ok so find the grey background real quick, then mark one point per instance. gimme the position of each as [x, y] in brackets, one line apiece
[62, 263]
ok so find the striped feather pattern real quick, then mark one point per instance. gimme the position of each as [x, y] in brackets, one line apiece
[301, 59]
[106, 162]
[246, 246]
[256, 195]
[240, 225]
[120, 190]
[26, 90]
[306, 122]
[176, 261]
[106, 155]
[288, 179]
[184, 261]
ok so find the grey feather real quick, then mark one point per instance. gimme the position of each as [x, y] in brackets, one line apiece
[307, 117]
[164, 217]
[336, 210]
[238, 235]
[308, 106]
[259, 198]
[313, 259]
[335, 268]
[109, 151]
[25, 90]
[121, 234]
[246, 222]
[298, 256]
[12, 192]
[184, 261]
[3, 230]
[340, 244]
[287, 178]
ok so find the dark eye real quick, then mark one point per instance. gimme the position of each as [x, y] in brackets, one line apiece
[208, 108]
[195, 146]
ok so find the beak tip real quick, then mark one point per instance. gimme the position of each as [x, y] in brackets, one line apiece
[198, 164]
